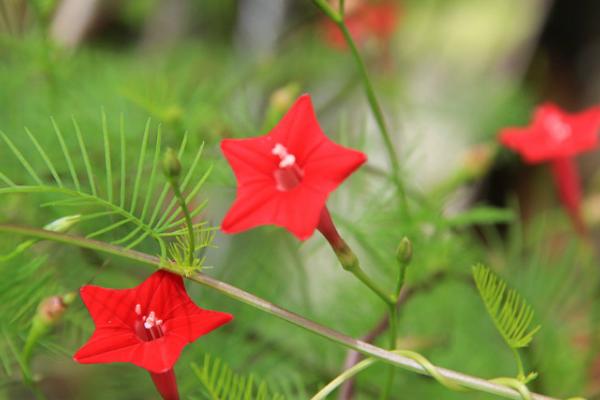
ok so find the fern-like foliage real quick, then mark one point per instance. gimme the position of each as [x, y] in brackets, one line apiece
[220, 382]
[179, 250]
[142, 205]
[510, 313]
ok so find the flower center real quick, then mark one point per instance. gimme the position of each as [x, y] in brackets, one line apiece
[559, 130]
[148, 327]
[288, 175]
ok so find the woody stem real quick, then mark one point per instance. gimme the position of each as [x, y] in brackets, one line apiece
[188, 219]
[233, 292]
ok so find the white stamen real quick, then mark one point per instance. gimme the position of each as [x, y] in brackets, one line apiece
[279, 150]
[287, 159]
[150, 321]
[159, 322]
[138, 309]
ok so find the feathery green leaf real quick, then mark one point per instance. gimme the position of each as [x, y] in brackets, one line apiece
[510, 313]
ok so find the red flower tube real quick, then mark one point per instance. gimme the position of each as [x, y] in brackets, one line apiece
[147, 325]
[556, 136]
[285, 177]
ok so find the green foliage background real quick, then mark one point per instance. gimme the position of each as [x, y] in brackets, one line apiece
[204, 88]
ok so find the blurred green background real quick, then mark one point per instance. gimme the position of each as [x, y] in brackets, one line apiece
[453, 74]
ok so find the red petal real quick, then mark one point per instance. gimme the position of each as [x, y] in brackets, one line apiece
[251, 208]
[299, 130]
[114, 315]
[325, 165]
[536, 144]
[110, 306]
[587, 124]
[163, 292]
[194, 322]
[250, 159]
[330, 165]
[108, 345]
[299, 209]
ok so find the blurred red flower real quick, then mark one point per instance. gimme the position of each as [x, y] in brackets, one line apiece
[147, 325]
[556, 136]
[366, 20]
[284, 178]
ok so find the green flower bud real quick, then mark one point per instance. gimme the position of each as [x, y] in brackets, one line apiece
[49, 313]
[51, 310]
[404, 251]
[171, 164]
[63, 224]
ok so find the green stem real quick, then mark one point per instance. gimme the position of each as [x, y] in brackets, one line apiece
[329, 11]
[358, 272]
[400, 281]
[403, 256]
[520, 369]
[393, 334]
[338, 19]
[35, 333]
[373, 102]
[404, 362]
[26, 373]
[188, 219]
[343, 377]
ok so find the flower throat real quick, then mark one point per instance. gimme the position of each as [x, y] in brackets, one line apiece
[288, 174]
[148, 327]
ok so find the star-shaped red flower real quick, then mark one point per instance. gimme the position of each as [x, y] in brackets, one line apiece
[285, 177]
[147, 325]
[554, 134]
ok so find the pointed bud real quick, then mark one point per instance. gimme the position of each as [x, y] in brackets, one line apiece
[51, 309]
[403, 256]
[63, 224]
[171, 164]
[49, 312]
[404, 251]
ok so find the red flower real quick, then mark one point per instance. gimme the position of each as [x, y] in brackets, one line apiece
[556, 136]
[147, 325]
[285, 177]
[365, 21]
